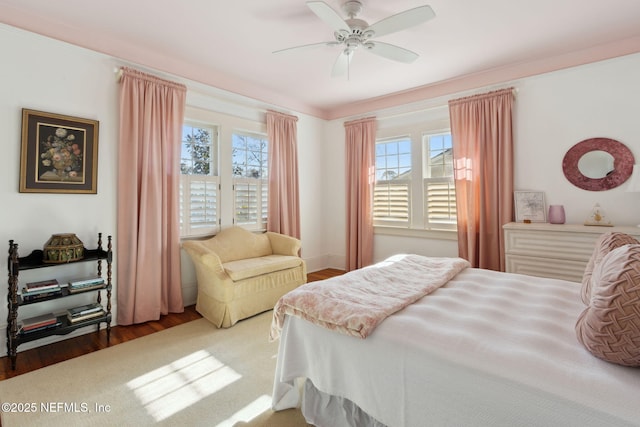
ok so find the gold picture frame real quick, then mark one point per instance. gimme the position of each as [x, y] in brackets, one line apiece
[59, 153]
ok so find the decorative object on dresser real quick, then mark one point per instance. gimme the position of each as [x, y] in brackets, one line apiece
[556, 214]
[559, 251]
[20, 331]
[598, 164]
[59, 153]
[597, 217]
[529, 206]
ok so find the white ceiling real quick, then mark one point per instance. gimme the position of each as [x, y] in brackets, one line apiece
[229, 44]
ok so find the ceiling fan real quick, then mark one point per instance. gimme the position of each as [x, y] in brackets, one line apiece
[352, 33]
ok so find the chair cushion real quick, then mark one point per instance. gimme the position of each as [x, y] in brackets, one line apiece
[236, 243]
[605, 244]
[252, 267]
[610, 326]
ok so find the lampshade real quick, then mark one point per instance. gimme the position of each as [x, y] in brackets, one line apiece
[634, 180]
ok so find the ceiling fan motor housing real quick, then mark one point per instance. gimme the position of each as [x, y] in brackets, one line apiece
[358, 35]
[352, 7]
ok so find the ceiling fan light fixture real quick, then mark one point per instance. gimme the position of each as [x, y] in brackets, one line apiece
[341, 35]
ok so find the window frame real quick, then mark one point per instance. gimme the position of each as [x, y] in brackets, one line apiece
[418, 225]
[262, 183]
[451, 223]
[187, 227]
[389, 220]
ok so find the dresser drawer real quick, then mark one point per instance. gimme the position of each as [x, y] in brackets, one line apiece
[558, 251]
[546, 267]
[551, 244]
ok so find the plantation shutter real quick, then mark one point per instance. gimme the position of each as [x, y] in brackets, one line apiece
[199, 198]
[440, 202]
[251, 198]
[391, 203]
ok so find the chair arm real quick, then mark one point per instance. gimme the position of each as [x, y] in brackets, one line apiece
[201, 254]
[281, 244]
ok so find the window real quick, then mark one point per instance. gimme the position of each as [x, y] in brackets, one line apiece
[392, 191]
[199, 181]
[414, 185]
[250, 182]
[439, 187]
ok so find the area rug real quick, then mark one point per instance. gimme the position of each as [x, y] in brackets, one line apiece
[191, 375]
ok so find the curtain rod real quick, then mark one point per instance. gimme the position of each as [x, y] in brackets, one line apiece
[443, 103]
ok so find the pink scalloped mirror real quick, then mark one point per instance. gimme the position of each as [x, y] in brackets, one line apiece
[598, 164]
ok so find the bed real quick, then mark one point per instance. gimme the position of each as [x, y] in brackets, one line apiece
[485, 348]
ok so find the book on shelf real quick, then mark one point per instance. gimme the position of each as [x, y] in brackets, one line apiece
[92, 281]
[88, 316]
[84, 309]
[38, 322]
[29, 296]
[85, 288]
[41, 328]
[37, 291]
[42, 285]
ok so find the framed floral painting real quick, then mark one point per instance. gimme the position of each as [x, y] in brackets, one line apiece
[59, 153]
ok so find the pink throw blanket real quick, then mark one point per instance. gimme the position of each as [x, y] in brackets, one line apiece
[355, 303]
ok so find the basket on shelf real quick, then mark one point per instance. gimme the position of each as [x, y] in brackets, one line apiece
[62, 248]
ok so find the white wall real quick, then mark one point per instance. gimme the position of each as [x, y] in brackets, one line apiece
[557, 110]
[44, 74]
[552, 112]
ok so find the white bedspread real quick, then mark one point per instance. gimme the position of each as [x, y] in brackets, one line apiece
[487, 349]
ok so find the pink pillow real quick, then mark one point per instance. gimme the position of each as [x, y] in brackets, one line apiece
[605, 244]
[610, 326]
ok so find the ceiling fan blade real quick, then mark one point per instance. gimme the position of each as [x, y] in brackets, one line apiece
[341, 66]
[328, 15]
[402, 20]
[391, 51]
[307, 46]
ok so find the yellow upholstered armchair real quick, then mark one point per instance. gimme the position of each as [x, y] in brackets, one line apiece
[240, 273]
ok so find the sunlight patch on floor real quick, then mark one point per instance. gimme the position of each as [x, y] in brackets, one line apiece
[249, 412]
[168, 390]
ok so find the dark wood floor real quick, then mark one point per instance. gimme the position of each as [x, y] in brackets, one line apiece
[46, 355]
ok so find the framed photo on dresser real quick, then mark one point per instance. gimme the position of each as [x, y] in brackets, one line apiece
[529, 206]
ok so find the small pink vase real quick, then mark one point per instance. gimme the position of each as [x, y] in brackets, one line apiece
[556, 214]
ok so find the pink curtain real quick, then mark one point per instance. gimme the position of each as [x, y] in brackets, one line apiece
[148, 237]
[481, 129]
[284, 205]
[360, 162]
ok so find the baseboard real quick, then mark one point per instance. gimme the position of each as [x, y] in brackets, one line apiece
[189, 293]
[325, 261]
